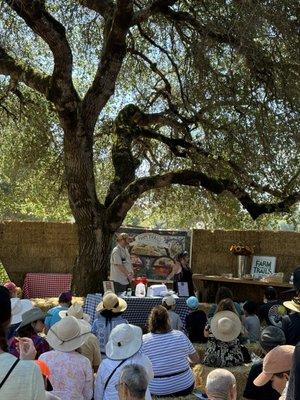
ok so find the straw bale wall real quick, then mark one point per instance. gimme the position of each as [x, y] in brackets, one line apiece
[211, 256]
[37, 247]
[52, 247]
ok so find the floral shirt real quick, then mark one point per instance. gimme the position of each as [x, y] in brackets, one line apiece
[71, 375]
[40, 344]
[220, 354]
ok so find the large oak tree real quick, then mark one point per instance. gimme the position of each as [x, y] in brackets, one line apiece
[201, 93]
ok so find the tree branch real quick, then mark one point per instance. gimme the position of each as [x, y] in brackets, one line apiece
[260, 66]
[111, 61]
[181, 147]
[122, 204]
[34, 79]
[125, 164]
[62, 91]
[155, 7]
[102, 7]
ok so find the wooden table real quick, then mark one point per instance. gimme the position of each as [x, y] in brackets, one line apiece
[243, 289]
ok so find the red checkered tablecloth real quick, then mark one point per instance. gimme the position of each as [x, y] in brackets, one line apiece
[46, 285]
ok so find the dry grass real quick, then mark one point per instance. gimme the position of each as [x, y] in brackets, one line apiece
[49, 302]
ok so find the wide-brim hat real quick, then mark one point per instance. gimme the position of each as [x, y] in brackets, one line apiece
[75, 311]
[124, 341]
[293, 305]
[35, 314]
[68, 334]
[18, 308]
[111, 302]
[226, 326]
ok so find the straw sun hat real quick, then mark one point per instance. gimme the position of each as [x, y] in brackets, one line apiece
[226, 326]
[68, 334]
[111, 302]
[293, 305]
[125, 340]
[75, 311]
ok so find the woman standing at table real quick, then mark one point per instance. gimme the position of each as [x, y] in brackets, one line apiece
[181, 272]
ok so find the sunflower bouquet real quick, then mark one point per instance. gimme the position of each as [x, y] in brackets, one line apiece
[241, 250]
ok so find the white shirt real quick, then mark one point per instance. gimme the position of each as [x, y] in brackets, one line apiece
[175, 320]
[25, 382]
[169, 353]
[106, 368]
[120, 256]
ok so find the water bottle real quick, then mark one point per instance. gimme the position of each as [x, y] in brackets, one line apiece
[140, 290]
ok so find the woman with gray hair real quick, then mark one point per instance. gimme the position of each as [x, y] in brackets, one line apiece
[221, 385]
[133, 383]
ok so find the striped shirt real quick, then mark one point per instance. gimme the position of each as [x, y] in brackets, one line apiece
[169, 353]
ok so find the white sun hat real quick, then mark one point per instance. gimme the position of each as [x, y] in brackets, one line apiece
[18, 308]
[68, 334]
[226, 326]
[75, 311]
[124, 341]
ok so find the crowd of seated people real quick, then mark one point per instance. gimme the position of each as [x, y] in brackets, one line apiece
[60, 355]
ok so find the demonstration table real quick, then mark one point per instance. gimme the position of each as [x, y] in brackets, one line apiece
[138, 309]
[46, 285]
[243, 289]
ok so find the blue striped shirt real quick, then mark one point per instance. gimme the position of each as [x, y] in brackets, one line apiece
[169, 353]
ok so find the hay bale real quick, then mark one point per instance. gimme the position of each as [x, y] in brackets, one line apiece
[210, 249]
[241, 373]
[46, 303]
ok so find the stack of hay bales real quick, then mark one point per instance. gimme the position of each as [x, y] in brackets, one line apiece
[49, 302]
[211, 256]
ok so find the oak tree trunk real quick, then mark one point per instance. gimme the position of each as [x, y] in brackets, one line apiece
[92, 264]
[94, 236]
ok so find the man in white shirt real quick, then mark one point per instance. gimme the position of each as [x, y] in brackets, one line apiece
[121, 270]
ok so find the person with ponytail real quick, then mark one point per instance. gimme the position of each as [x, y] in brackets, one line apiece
[19, 379]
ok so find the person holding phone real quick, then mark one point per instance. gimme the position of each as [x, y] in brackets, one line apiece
[19, 379]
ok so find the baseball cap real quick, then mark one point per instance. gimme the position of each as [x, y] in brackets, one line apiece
[192, 303]
[169, 300]
[271, 337]
[278, 360]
